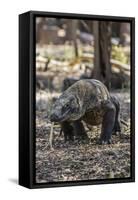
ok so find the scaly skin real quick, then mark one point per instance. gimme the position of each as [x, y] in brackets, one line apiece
[87, 100]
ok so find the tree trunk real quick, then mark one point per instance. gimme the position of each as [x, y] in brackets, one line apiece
[74, 36]
[39, 27]
[71, 34]
[102, 48]
[124, 33]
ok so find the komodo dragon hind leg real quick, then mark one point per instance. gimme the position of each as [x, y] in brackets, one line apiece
[117, 126]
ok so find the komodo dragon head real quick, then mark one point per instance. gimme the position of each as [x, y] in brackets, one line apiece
[65, 108]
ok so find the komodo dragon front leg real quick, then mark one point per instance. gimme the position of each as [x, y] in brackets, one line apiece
[108, 123]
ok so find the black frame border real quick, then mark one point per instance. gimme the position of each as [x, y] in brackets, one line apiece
[27, 49]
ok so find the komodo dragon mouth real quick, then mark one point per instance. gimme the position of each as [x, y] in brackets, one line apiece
[57, 118]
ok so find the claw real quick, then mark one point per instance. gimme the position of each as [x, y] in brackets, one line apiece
[104, 142]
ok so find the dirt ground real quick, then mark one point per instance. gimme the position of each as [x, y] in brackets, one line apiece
[80, 160]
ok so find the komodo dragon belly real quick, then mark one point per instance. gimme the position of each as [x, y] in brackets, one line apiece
[94, 117]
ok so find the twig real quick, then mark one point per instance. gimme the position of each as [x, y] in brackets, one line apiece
[51, 136]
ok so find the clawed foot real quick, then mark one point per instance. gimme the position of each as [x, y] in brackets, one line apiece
[102, 142]
[116, 133]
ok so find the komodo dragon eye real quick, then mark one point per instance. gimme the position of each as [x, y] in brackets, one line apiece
[65, 108]
[67, 105]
